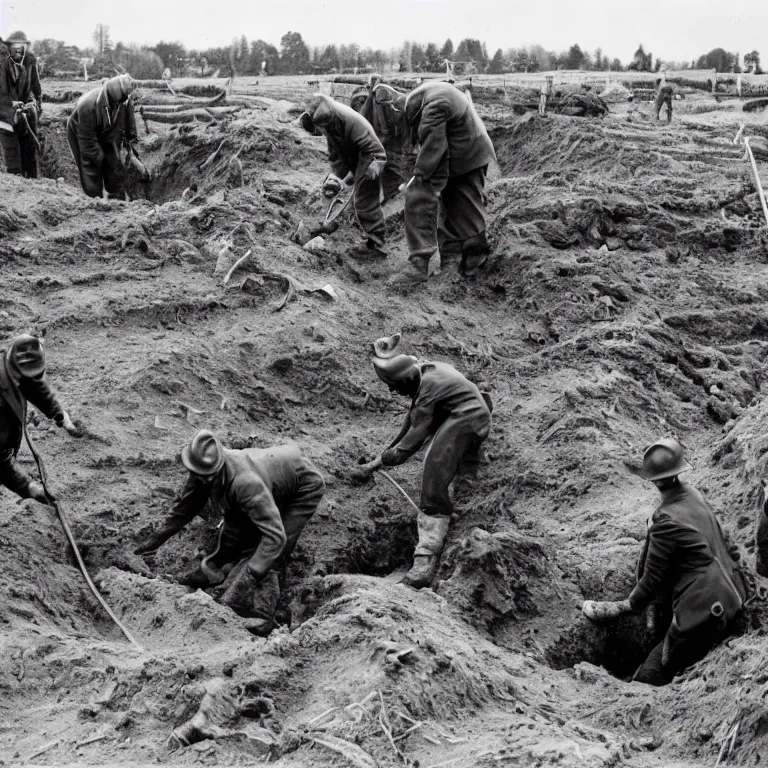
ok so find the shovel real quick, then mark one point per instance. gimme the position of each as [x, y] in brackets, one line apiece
[329, 224]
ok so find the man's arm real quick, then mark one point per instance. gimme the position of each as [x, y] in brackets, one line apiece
[433, 139]
[91, 152]
[255, 501]
[371, 150]
[38, 392]
[420, 420]
[12, 476]
[185, 507]
[338, 166]
[658, 561]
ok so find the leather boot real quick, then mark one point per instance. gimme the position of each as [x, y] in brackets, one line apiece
[475, 252]
[265, 598]
[414, 275]
[432, 532]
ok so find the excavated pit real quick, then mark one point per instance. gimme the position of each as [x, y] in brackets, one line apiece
[624, 299]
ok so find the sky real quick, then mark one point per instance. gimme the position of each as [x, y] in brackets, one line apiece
[676, 30]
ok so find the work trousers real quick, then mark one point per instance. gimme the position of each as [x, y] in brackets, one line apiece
[445, 212]
[661, 100]
[12, 476]
[455, 449]
[96, 175]
[682, 652]
[238, 544]
[368, 206]
[20, 149]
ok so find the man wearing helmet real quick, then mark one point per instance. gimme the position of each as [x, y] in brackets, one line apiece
[22, 380]
[21, 101]
[449, 409]
[356, 157]
[266, 496]
[101, 124]
[684, 555]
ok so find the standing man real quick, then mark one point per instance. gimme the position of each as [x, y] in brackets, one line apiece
[21, 102]
[684, 555]
[357, 157]
[449, 409]
[22, 380]
[384, 109]
[101, 124]
[266, 497]
[664, 95]
[445, 201]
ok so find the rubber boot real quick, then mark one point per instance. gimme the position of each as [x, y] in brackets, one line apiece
[450, 257]
[603, 610]
[414, 275]
[475, 252]
[265, 598]
[368, 251]
[432, 532]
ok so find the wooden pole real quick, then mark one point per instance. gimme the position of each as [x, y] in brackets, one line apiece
[758, 183]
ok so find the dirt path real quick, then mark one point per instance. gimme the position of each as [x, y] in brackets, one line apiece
[625, 299]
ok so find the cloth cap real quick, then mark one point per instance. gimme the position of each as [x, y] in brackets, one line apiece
[120, 87]
[26, 357]
[396, 369]
[17, 38]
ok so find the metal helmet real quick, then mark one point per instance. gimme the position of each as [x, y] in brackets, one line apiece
[17, 38]
[204, 455]
[663, 459]
[396, 369]
[26, 356]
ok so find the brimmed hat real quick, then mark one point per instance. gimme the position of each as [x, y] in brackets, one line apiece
[204, 455]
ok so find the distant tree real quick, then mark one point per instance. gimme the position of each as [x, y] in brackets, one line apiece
[294, 54]
[446, 52]
[418, 58]
[172, 55]
[545, 60]
[141, 63]
[658, 65]
[101, 39]
[263, 51]
[498, 64]
[717, 59]
[575, 57]
[54, 56]
[752, 62]
[641, 61]
[471, 50]
[616, 65]
[433, 58]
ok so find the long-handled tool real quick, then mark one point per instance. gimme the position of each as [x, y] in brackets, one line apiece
[64, 519]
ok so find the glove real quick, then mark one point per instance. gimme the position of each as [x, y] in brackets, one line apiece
[391, 457]
[373, 171]
[37, 492]
[602, 610]
[194, 578]
[152, 544]
[652, 618]
[332, 185]
[69, 426]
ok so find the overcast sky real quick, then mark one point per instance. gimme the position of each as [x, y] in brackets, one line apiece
[671, 29]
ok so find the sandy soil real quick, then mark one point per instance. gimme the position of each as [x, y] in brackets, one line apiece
[625, 299]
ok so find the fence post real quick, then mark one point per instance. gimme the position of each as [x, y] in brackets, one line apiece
[714, 80]
[738, 84]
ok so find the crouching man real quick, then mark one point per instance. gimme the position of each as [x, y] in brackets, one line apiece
[266, 497]
[22, 380]
[686, 556]
[449, 409]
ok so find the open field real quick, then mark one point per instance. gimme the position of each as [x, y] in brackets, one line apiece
[626, 298]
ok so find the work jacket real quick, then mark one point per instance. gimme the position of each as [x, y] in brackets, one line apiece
[352, 142]
[686, 556]
[442, 394]
[448, 128]
[18, 83]
[384, 110]
[250, 491]
[100, 123]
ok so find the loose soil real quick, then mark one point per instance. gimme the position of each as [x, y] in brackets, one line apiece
[626, 298]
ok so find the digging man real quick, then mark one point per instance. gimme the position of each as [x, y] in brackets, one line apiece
[266, 497]
[384, 109]
[449, 409]
[445, 199]
[357, 158]
[101, 124]
[21, 102]
[22, 380]
[685, 556]
[665, 93]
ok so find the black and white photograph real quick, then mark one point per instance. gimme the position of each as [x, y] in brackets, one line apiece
[383, 385]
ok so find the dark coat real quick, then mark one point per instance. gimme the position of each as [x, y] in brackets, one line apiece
[18, 83]
[351, 138]
[250, 491]
[387, 122]
[686, 556]
[443, 394]
[100, 124]
[448, 127]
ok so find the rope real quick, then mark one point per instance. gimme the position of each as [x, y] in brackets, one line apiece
[70, 537]
[399, 487]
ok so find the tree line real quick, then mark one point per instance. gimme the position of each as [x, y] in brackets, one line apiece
[295, 56]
